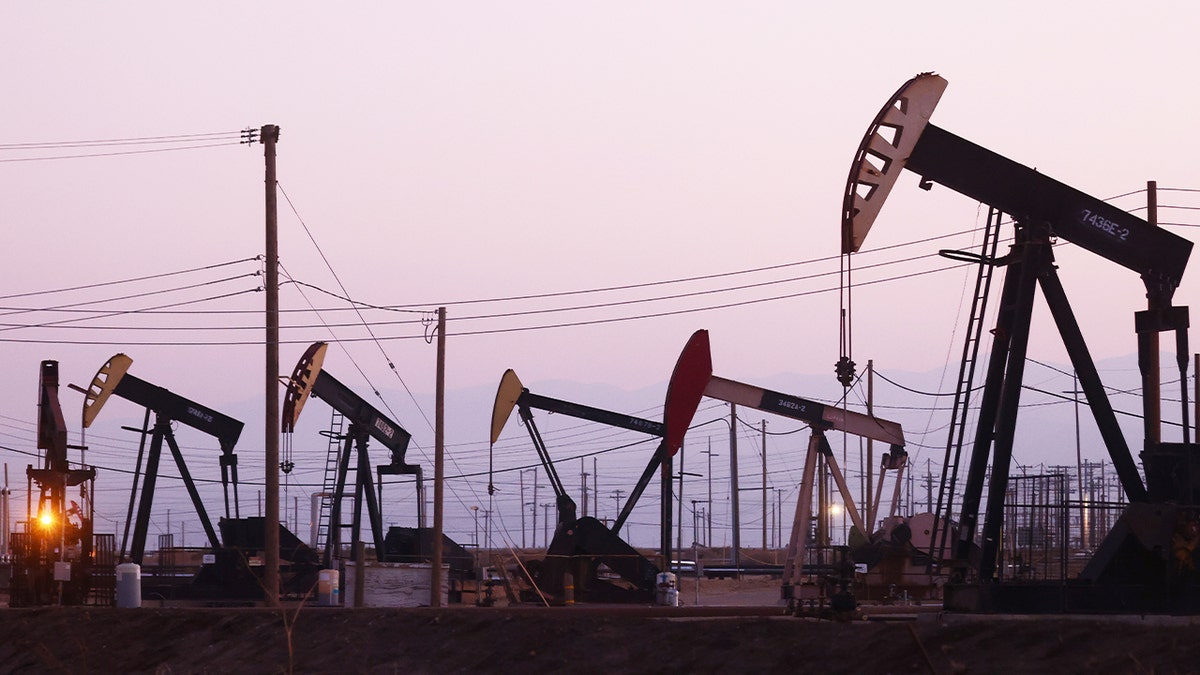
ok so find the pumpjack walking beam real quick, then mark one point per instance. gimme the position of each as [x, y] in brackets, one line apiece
[113, 379]
[901, 137]
[366, 422]
[820, 418]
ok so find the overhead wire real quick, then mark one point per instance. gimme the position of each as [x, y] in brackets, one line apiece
[200, 146]
[364, 322]
[117, 282]
[165, 143]
[518, 329]
[137, 140]
[387, 358]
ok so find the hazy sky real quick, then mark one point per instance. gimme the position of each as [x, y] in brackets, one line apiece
[448, 152]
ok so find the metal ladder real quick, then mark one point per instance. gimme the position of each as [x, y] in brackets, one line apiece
[962, 394]
[335, 435]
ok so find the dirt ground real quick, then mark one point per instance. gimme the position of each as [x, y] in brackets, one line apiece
[722, 635]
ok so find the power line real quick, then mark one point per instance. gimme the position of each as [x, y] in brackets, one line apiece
[362, 320]
[102, 284]
[519, 329]
[109, 313]
[175, 138]
[623, 303]
[648, 284]
[120, 153]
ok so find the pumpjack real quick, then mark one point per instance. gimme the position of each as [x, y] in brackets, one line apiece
[821, 418]
[113, 378]
[582, 545]
[401, 544]
[1144, 565]
[58, 559]
[232, 570]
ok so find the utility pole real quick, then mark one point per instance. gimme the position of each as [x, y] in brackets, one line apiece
[708, 511]
[534, 504]
[487, 533]
[733, 492]
[269, 136]
[778, 518]
[595, 489]
[929, 486]
[522, 478]
[546, 523]
[439, 453]
[870, 485]
[679, 505]
[617, 496]
[764, 485]
[583, 487]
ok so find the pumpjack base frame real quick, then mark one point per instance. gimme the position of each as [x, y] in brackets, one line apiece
[1148, 564]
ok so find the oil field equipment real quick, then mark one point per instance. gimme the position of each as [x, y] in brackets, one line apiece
[232, 568]
[58, 559]
[820, 418]
[400, 544]
[113, 379]
[582, 545]
[1141, 566]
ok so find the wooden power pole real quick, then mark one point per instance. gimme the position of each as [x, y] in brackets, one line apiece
[269, 135]
[736, 548]
[439, 446]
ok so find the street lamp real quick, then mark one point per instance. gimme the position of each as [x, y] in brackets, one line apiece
[835, 509]
[475, 539]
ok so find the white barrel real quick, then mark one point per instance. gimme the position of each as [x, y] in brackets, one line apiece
[129, 585]
[665, 587]
[328, 594]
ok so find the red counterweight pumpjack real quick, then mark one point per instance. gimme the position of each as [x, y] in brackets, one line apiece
[582, 545]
